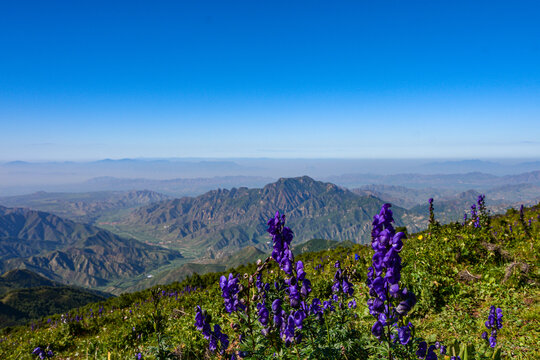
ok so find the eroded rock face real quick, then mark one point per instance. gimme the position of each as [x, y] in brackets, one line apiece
[71, 252]
[230, 219]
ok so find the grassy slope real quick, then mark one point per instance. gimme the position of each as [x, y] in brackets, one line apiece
[452, 304]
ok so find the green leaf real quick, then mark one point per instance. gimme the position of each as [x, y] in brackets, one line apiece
[497, 354]
[463, 352]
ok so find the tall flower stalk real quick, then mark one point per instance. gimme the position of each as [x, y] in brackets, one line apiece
[493, 323]
[388, 304]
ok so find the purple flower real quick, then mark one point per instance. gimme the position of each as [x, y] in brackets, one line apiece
[263, 313]
[442, 350]
[230, 290]
[202, 322]
[281, 238]
[276, 306]
[404, 334]
[43, 353]
[294, 294]
[492, 341]
[315, 307]
[377, 329]
[327, 305]
[299, 317]
[300, 274]
[385, 274]
[422, 349]
[494, 323]
[306, 288]
[431, 353]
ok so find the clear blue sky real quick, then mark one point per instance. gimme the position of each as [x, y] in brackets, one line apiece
[388, 79]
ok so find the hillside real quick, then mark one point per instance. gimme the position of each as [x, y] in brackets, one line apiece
[25, 296]
[249, 254]
[316, 245]
[456, 271]
[23, 279]
[223, 221]
[70, 252]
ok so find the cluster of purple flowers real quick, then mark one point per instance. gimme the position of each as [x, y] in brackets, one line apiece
[296, 286]
[230, 289]
[281, 238]
[262, 287]
[202, 323]
[474, 216]
[341, 281]
[383, 280]
[494, 323]
[481, 201]
[479, 213]
[287, 323]
[43, 353]
[428, 353]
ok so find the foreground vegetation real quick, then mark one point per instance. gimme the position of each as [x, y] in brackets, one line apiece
[457, 272]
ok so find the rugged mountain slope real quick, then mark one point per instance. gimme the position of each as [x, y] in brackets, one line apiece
[84, 207]
[226, 220]
[70, 252]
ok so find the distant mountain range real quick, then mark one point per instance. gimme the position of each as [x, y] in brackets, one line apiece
[403, 196]
[498, 197]
[193, 177]
[450, 204]
[85, 207]
[71, 252]
[460, 182]
[176, 187]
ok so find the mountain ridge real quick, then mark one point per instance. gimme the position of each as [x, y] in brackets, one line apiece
[231, 219]
[70, 252]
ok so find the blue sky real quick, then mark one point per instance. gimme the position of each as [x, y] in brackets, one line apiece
[354, 79]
